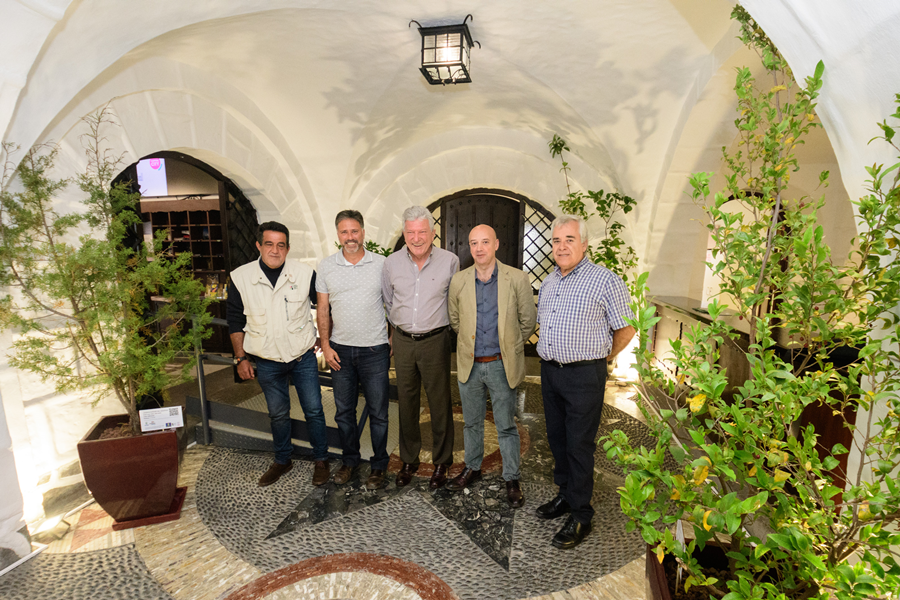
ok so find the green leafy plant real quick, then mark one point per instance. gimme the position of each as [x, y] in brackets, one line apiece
[796, 523]
[79, 293]
[612, 251]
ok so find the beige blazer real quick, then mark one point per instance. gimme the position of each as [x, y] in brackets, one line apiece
[516, 321]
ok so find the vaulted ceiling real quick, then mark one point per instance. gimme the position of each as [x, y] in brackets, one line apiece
[315, 106]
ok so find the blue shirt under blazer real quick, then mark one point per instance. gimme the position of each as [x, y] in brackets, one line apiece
[515, 319]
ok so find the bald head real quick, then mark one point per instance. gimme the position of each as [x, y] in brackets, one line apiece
[483, 245]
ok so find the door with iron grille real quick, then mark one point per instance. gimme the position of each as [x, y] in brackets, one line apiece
[460, 215]
[522, 226]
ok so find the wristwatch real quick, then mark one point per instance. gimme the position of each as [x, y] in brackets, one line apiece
[238, 359]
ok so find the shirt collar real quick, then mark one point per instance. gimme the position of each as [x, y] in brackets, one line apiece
[493, 275]
[583, 262]
[342, 260]
[427, 260]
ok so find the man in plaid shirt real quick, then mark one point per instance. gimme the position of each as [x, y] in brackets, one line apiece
[581, 311]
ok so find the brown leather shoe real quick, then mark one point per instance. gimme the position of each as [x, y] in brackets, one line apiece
[321, 473]
[438, 477]
[406, 474]
[514, 494]
[344, 474]
[463, 479]
[376, 479]
[274, 473]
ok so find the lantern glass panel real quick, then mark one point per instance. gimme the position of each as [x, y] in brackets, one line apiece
[448, 55]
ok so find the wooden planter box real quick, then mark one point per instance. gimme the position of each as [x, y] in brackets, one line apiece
[657, 586]
[133, 479]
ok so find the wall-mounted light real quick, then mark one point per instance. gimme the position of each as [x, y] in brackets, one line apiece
[445, 53]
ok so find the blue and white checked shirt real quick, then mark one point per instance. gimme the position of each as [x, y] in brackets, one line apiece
[579, 312]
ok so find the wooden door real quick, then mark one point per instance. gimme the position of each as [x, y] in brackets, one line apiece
[505, 215]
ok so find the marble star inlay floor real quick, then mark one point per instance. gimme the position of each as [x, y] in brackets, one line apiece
[292, 540]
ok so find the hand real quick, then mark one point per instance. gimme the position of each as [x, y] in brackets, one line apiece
[332, 358]
[245, 371]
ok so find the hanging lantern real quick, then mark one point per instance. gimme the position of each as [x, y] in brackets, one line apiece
[445, 53]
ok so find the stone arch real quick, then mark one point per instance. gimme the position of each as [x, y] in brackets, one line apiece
[517, 162]
[166, 105]
[676, 244]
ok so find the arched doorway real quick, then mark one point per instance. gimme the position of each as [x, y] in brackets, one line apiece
[201, 212]
[522, 226]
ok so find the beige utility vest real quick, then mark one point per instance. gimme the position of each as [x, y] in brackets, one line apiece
[279, 322]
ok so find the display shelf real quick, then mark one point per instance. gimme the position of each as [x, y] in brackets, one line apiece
[198, 231]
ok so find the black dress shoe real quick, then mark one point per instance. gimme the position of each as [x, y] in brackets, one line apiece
[438, 477]
[463, 479]
[406, 474]
[571, 534]
[555, 508]
[514, 493]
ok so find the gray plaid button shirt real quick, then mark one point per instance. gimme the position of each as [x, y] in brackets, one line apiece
[579, 312]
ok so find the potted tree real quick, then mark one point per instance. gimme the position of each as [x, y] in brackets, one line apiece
[78, 293]
[751, 473]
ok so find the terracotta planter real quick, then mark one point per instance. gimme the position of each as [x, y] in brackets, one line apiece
[133, 479]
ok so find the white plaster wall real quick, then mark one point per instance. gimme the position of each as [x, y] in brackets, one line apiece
[12, 510]
[23, 31]
[858, 44]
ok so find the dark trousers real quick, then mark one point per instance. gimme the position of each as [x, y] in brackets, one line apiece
[424, 362]
[365, 367]
[573, 402]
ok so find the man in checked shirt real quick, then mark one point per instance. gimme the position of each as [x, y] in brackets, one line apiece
[581, 310]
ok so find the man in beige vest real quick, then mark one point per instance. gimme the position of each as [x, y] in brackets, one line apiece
[492, 310]
[269, 319]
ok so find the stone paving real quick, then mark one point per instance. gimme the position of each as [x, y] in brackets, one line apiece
[115, 574]
[291, 540]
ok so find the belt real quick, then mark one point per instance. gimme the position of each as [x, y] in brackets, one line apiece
[484, 359]
[421, 336]
[577, 363]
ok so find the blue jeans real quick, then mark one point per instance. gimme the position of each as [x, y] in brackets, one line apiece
[490, 376]
[366, 366]
[275, 378]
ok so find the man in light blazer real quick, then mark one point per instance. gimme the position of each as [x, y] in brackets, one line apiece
[493, 312]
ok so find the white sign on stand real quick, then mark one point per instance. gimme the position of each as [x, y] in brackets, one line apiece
[156, 419]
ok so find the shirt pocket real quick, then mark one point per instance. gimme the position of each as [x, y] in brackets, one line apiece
[293, 307]
[256, 322]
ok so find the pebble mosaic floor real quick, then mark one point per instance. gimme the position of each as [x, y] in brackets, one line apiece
[290, 540]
